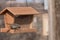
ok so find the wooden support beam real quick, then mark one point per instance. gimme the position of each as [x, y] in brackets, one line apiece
[52, 19]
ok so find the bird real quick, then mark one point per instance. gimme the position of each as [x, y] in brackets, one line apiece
[15, 26]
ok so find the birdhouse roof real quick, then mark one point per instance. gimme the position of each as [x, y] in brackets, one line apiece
[20, 10]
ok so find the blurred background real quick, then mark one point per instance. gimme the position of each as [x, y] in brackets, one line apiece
[40, 21]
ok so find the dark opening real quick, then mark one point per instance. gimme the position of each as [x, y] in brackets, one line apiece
[23, 19]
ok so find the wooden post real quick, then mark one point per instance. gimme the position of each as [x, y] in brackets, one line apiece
[57, 7]
[52, 19]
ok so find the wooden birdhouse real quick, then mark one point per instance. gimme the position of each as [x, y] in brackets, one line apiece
[18, 17]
